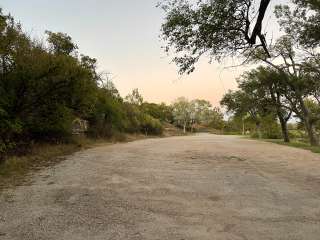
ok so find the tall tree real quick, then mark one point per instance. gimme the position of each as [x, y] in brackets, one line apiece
[217, 28]
[182, 112]
[268, 84]
[297, 68]
[242, 103]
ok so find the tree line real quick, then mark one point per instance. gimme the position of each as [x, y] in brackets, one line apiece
[285, 86]
[46, 85]
[189, 115]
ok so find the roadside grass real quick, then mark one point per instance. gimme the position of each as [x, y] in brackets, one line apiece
[14, 169]
[295, 144]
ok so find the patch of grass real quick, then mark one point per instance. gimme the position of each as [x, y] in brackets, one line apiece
[14, 169]
[296, 144]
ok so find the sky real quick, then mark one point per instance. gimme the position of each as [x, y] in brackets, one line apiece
[124, 37]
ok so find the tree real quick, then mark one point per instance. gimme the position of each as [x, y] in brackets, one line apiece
[158, 111]
[189, 113]
[12, 42]
[268, 84]
[217, 28]
[45, 86]
[301, 21]
[204, 114]
[182, 112]
[243, 103]
[135, 97]
[150, 125]
[216, 119]
[61, 43]
[202, 111]
[298, 73]
[109, 85]
[220, 28]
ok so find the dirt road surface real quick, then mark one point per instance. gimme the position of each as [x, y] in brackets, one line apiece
[195, 187]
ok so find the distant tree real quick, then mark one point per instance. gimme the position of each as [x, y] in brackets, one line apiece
[150, 125]
[158, 111]
[216, 119]
[244, 103]
[202, 111]
[182, 112]
[189, 114]
[134, 97]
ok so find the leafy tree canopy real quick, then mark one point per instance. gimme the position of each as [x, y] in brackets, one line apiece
[301, 21]
[217, 28]
[61, 43]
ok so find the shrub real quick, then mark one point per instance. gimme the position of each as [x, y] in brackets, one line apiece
[150, 125]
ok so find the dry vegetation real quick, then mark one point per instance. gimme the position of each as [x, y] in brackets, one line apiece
[15, 168]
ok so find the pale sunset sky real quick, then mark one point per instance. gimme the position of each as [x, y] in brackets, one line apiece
[124, 37]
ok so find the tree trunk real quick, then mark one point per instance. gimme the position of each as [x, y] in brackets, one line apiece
[310, 128]
[184, 128]
[258, 127]
[284, 129]
[313, 138]
[243, 128]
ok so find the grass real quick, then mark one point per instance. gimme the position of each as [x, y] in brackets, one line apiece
[296, 144]
[14, 169]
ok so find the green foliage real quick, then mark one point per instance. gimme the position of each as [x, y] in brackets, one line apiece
[182, 112]
[45, 86]
[243, 103]
[107, 115]
[61, 43]
[217, 28]
[190, 114]
[158, 111]
[222, 28]
[216, 120]
[298, 144]
[134, 98]
[150, 125]
[301, 21]
[270, 128]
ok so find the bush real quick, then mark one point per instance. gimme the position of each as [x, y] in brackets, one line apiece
[150, 125]
[45, 86]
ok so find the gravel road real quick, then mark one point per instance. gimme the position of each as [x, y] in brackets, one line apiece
[196, 187]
